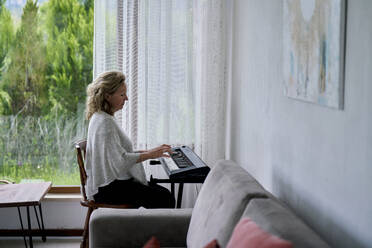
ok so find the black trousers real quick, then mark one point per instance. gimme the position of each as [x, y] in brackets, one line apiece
[135, 193]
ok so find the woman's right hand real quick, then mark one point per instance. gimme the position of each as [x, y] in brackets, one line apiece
[160, 151]
[157, 152]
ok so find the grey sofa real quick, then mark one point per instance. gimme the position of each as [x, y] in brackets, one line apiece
[228, 194]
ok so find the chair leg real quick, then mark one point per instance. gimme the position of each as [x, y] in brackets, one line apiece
[85, 241]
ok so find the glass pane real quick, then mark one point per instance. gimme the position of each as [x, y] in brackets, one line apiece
[46, 50]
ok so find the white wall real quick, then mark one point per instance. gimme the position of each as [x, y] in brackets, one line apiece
[318, 160]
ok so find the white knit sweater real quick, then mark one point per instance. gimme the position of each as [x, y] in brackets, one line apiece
[109, 154]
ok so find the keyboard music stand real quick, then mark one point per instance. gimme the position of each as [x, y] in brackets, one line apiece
[190, 179]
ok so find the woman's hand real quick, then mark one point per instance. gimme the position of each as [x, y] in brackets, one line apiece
[157, 152]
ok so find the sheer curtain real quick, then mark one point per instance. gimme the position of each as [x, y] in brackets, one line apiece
[210, 63]
[158, 62]
[165, 87]
[172, 52]
[106, 36]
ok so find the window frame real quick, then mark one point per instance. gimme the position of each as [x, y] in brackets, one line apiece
[65, 189]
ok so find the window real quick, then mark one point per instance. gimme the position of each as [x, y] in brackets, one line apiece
[46, 58]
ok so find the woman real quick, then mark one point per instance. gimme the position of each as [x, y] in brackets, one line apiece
[115, 172]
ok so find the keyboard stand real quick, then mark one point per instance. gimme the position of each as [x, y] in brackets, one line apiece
[180, 185]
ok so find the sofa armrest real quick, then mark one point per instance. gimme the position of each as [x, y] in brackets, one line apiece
[134, 227]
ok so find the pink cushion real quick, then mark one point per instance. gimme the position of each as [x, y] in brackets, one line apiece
[152, 243]
[212, 244]
[247, 234]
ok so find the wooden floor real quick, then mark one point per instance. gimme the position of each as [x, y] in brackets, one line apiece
[50, 243]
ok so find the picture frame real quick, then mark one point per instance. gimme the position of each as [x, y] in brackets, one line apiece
[313, 51]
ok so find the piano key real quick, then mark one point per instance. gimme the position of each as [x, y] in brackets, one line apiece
[170, 164]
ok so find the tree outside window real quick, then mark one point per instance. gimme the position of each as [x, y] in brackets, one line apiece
[45, 65]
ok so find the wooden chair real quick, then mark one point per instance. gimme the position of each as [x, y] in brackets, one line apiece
[5, 181]
[90, 204]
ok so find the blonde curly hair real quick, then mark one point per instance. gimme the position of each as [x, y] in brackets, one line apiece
[105, 83]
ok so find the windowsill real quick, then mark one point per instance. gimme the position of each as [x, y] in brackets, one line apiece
[63, 197]
[62, 189]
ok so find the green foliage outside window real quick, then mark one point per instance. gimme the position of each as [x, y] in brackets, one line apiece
[45, 65]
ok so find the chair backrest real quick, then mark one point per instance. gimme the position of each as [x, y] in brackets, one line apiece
[5, 181]
[80, 155]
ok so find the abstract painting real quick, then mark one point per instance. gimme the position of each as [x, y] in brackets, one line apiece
[313, 51]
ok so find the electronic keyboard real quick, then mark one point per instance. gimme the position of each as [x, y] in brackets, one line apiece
[184, 164]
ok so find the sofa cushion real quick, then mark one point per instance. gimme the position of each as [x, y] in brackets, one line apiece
[133, 227]
[223, 197]
[248, 235]
[212, 244]
[152, 243]
[278, 220]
